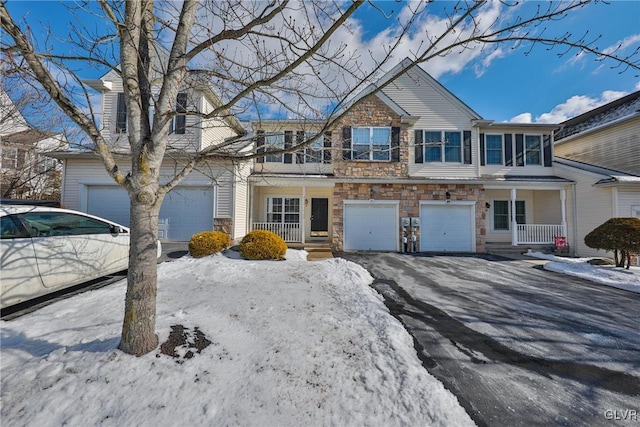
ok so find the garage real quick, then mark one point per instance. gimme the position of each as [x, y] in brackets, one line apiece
[447, 227]
[371, 226]
[184, 212]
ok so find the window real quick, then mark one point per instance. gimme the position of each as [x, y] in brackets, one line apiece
[9, 157]
[178, 124]
[121, 114]
[46, 164]
[371, 143]
[47, 224]
[493, 148]
[439, 145]
[314, 153]
[272, 142]
[283, 210]
[533, 149]
[502, 217]
[12, 228]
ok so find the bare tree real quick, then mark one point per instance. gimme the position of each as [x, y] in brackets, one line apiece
[262, 58]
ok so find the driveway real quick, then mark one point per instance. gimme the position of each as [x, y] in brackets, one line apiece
[518, 346]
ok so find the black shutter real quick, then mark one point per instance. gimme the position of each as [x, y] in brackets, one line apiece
[288, 143]
[121, 114]
[418, 146]
[395, 144]
[508, 149]
[300, 152]
[326, 154]
[483, 154]
[547, 151]
[181, 108]
[519, 149]
[347, 153]
[260, 145]
[467, 147]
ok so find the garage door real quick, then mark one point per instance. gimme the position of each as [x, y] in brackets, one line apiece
[371, 227]
[184, 212]
[447, 228]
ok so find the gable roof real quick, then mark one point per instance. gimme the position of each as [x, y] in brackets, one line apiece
[402, 67]
[614, 112]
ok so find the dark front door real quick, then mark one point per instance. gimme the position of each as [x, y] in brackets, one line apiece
[319, 217]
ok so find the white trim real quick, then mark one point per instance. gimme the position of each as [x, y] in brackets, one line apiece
[615, 202]
[281, 196]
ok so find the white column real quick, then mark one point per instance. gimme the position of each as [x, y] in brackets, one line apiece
[563, 205]
[303, 217]
[514, 224]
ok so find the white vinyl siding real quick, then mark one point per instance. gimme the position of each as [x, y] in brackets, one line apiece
[437, 110]
[615, 148]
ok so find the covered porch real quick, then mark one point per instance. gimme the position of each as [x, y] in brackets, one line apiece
[298, 213]
[526, 214]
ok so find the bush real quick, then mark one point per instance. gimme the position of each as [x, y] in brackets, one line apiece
[208, 243]
[617, 235]
[263, 244]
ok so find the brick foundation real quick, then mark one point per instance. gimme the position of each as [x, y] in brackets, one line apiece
[223, 224]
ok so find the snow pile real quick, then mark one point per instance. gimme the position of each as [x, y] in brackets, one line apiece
[603, 274]
[292, 343]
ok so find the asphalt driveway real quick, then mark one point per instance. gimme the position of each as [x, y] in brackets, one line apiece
[518, 345]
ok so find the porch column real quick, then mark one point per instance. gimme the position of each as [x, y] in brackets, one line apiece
[514, 224]
[303, 217]
[563, 205]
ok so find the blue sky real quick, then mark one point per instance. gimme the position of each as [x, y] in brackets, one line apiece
[536, 87]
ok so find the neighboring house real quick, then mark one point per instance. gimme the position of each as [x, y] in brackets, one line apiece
[25, 171]
[412, 150]
[214, 196]
[600, 151]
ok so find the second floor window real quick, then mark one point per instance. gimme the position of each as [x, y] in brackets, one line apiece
[273, 142]
[179, 123]
[9, 158]
[371, 143]
[440, 146]
[493, 149]
[533, 149]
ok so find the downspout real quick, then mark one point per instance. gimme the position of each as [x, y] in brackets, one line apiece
[574, 202]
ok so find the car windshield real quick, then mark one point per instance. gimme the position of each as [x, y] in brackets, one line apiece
[45, 224]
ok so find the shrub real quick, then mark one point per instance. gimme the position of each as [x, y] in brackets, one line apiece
[263, 244]
[617, 235]
[208, 243]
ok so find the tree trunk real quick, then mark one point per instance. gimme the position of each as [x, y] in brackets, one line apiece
[138, 329]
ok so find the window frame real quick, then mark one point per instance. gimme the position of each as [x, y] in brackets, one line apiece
[178, 125]
[493, 150]
[121, 113]
[521, 213]
[13, 159]
[269, 212]
[317, 148]
[538, 151]
[278, 145]
[372, 146]
[442, 146]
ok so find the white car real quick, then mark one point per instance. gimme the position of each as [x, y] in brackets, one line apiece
[44, 249]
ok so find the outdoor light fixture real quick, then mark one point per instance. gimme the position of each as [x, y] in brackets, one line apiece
[448, 196]
[487, 205]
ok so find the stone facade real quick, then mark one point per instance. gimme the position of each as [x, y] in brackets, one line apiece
[372, 112]
[409, 196]
[223, 224]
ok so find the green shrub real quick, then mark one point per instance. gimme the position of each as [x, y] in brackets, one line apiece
[263, 244]
[617, 235]
[208, 243]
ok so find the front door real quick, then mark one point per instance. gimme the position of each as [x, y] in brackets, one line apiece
[319, 217]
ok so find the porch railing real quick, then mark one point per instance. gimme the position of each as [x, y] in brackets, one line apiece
[288, 232]
[533, 234]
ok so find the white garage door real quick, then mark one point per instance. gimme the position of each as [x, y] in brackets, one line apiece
[447, 228]
[184, 212]
[371, 227]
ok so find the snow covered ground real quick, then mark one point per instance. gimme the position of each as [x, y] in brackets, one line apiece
[603, 274]
[293, 343]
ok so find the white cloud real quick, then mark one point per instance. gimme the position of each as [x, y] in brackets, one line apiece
[572, 107]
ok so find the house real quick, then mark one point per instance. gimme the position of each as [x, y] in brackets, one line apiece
[410, 164]
[600, 151]
[25, 171]
[213, 196]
